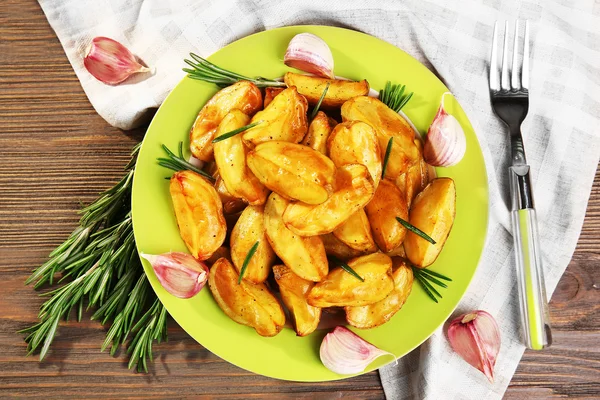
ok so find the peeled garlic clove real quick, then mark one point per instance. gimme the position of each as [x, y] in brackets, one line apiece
[110, 62]
[445, 144]
[179, 273]
[476, 338]
[310, 53]
[344, 352]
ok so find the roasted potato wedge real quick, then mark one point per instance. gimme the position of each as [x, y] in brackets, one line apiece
[342, 289]
[335, 247]
[355, 142]
[339, 91]
[433, 212]
[249, 229]
[372, 315]
[305, 256]
[397, 252]
[355, 232]
[270, 94]
[221, 252]
[231, 204]
[415, 178]
[242, 95]
[354, 189]
[246, 303]
[318, 132]
[283, 119]
[230, 156]
[293, 290]
[294, 171]
[387, 204]
[199, 213]
[387, 124]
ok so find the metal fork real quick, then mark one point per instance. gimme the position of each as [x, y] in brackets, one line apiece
[509, 93]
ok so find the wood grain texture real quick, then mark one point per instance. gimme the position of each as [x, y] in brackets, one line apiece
[57, 153]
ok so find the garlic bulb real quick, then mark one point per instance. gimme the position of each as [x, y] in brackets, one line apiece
[344, 352]
[476, 338]
[445, 144]
[179, 273]
[310, 53]
[110, 62]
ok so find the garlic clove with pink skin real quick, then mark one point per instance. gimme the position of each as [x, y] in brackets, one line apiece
[310, 53]
[179, 273]
[110, 62]
[344, 352]
[445, 144]
[476, 338]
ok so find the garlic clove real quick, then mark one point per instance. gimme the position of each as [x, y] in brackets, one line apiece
[344, 352]
[445, 144]
[110, 62]
[476, 338]
[310, 53]
[179, 273]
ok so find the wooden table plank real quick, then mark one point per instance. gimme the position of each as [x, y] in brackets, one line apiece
[57, 152]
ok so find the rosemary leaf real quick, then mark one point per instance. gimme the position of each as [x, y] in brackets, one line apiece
[346, 268]
[394, 96]
[235, 132]
[386, 159]
[247, 260]
[429, 285]
[316, 109]
[415, 230]
[436, 274]
[420, 279]
[179, 163]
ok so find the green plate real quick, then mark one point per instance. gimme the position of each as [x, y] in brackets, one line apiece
[287, 356]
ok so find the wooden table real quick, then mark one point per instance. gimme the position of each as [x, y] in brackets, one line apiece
[57, 152]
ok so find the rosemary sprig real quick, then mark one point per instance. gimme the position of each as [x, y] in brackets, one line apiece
[247, 260]
[235, 132]
[415, 230]
[426, 279]
[386, 158]
[346, 268]
[179, 163]
[206, 71]
[394, 97]
[318, 105]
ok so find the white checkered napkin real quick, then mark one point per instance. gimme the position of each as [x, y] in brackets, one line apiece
[561, 133]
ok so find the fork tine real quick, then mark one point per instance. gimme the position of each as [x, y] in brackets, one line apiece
[514, 75]
[505, 80]
[494, 76]
[525, 71]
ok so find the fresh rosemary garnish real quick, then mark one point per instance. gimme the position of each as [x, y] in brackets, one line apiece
[415, 230]
[346, 268]
[206, 71]
[386, 159]
[316, 109]
[235, 132]
[247, 261]
[102, 262]
[394, 97]
[179, 163]
[426, 278]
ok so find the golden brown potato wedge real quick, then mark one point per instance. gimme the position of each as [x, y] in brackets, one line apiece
[339, 91]
[231, 204]
[415, 178]
[433, 212]
[199, 213]
[221, 252]
[270, 94]
[293, 291]
[242, 95]
[305, 256]
[387, 204]
[342, 289]
[292, 170]
[355, 232]
[354, 189]
[355, 142]
[387, 124]
[247, 303]
[397, 252]
[283, 119]
[337, 248]
[372, 315]
[230, 156]
[249, 229]
[318, 132]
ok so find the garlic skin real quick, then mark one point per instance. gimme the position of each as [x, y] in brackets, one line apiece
[179, 273]
[110, 62]
[476, 338]
[310, 53]
[445, 144]
[344, 352]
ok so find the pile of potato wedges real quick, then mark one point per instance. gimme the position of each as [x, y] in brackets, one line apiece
[306, 191]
